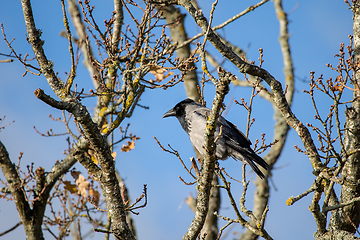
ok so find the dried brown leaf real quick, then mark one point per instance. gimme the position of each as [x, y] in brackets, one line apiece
[95, 196]
[113, 154]
[72, 188]
[128, 147]
[75, 174]
[159, 73]
[83, 185]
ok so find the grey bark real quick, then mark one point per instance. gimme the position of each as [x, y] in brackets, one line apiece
[351, 170]
[177, 30]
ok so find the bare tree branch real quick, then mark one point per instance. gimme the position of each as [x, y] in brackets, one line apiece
[351, 170]
[84, 41]
[177, 30]
[261, 195]
[90, 130]
[32, 224]
[278, 93]
[119, 22]
[205, 179]
[230, 20]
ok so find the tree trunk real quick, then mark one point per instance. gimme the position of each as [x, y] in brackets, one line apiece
[351, 170]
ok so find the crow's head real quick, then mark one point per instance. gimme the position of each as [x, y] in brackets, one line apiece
[179, 109]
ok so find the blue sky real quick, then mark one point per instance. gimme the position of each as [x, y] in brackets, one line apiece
[316, 30]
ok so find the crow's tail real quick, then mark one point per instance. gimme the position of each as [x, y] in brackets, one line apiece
[250, 157]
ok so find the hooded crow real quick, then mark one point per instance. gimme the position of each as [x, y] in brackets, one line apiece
[232, 142]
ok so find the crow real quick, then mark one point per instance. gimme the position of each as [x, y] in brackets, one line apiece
[232, 142]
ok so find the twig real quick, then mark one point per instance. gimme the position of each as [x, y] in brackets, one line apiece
[11, 229]
[72, 75]
[292, 200]
[137, 200]
[330, 208]
[249, 9]
[176, 154]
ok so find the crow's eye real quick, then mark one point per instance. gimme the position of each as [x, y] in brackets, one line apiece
[178, 110]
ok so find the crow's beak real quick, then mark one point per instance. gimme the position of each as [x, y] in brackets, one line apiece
[169, 113]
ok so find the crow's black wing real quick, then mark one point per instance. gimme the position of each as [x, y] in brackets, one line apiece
[233, 134]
